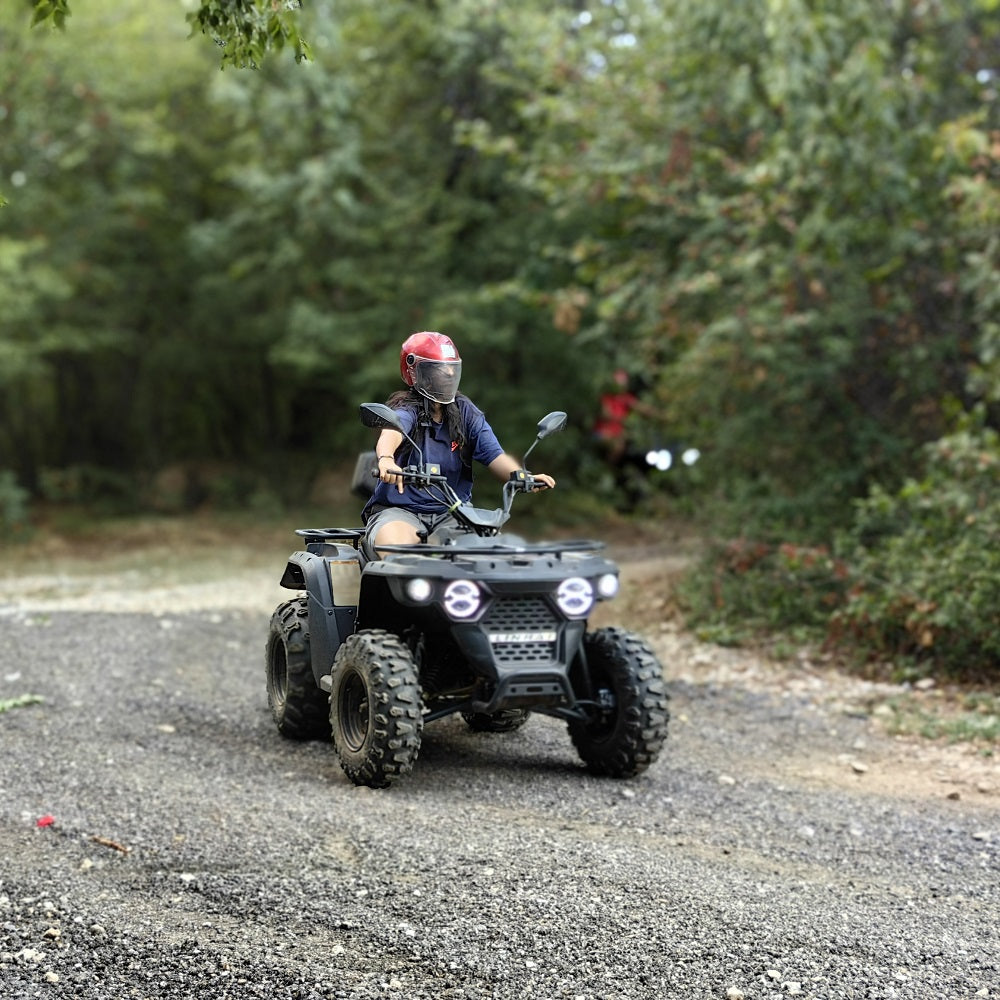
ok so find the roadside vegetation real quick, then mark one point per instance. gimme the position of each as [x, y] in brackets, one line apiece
[782, 220]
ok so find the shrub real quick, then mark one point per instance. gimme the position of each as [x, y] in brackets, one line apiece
[13, 505]
[927, 564]
[748, 587]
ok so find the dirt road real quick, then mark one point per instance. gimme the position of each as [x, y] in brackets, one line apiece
[782, 846]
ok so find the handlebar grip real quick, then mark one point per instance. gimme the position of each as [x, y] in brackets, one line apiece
[417, 473]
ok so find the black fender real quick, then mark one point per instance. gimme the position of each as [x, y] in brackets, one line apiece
[329, 623]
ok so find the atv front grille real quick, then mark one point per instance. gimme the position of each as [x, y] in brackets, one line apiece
[522, 630]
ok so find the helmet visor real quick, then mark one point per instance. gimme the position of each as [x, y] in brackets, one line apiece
[437, 380]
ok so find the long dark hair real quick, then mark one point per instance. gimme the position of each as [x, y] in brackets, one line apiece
[411, 399]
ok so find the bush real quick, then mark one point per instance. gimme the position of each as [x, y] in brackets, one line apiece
[927, 564]
[13, 505]
[107, 490]
[745, 588]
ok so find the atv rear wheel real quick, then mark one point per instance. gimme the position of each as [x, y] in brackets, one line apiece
[629, 725]
[376, 709]
[504, 721]
[299, 708]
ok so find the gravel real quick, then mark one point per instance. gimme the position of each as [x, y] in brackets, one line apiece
[193, 852]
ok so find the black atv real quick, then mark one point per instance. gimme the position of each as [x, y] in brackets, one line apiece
[470, 620]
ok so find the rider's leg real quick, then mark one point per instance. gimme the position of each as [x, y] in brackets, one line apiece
[395, 532]
[392, 526]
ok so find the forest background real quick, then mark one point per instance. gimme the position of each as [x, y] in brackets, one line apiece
[783, 216]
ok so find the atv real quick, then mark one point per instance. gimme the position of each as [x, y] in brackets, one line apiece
[471, 620]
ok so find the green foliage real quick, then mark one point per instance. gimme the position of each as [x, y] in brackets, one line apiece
[21, 701]
[51, 11]
[975, 718]
[784, 215]
[245, 30]
[748, 203]
[927, 564]
[13, 505]
[745, 589]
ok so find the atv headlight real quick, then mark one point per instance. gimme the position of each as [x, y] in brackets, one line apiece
[419, 590]
[462, 599]
[607, 585]
[575, 597]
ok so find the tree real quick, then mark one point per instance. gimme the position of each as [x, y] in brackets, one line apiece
[103, 169]
[246, 30]
[753, 204]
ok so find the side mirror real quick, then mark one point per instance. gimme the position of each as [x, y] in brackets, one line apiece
[379, 415]
[551, 422]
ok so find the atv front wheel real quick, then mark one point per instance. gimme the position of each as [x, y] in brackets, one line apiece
[376, 709]
[628, 725]
[298, 707]
[504, 721]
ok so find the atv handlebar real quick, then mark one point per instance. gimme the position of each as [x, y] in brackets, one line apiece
[483, 522]
[521, 481]
[418, 475]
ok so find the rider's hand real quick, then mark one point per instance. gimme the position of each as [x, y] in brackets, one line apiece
[544, 481]
[390, 473]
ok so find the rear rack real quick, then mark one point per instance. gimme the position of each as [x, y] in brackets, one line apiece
[352, 535]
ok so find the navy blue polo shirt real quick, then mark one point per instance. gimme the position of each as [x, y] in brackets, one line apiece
[438, 448]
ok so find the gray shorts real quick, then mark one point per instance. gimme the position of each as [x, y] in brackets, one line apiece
[386, 514]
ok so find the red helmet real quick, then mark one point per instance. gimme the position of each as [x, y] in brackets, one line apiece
[429, 362]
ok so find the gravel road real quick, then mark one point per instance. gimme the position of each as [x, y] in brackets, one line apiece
[780, 847]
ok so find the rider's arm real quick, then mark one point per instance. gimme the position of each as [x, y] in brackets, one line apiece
[503, 465]
[385, 452]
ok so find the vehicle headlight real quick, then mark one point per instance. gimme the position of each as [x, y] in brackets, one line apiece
[418, 589]
[462, 599]
[607, 585]
[575, 597]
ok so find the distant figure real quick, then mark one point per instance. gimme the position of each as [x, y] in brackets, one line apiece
[611, 431]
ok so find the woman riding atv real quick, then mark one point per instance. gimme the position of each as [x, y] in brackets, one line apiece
[452, 432]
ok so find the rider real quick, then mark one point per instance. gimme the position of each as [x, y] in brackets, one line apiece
[450, 429]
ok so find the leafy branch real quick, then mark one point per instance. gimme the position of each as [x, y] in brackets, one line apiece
[246, 30]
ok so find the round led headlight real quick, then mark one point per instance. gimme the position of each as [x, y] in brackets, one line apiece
[575, 597]
[607, 585]
[462, 599]
[418, 589]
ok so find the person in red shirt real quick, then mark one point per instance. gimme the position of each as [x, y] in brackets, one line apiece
[609, 427]
[611, 431]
